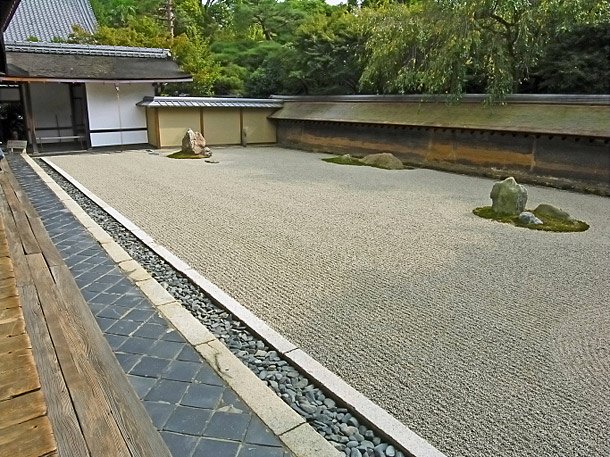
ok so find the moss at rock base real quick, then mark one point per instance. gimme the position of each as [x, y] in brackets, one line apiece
[549, 224]
[185, 155]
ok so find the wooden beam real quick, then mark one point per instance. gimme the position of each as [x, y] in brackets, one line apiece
[130, 415]
[61, 412]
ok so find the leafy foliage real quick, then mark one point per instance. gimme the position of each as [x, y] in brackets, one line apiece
[577, 62]
[327, 54]
[442, 46]
[192, 53]
[260, 47]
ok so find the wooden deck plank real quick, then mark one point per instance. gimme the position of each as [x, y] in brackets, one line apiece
[7, 293]
[8, 281]
[61, 412]
[20, 274]
[47, 247]
[33, 438]
[131, 416]
[18, 359]
[30, 246]
[10, 302]
[9, 314]
[13, 343]
[8, 288]
[19, 267]
[24, 428]
[13, 328]
[4, 252]
[22, 409]
[17, 381]
[24, 201]
[74, 351]
[81, 379]
[6, 268]
[40, 234]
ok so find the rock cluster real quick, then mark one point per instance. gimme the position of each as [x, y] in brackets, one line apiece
[509, 199]
[335, 423]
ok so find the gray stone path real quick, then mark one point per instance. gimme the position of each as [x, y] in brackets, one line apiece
[195, 411]
[484, 338]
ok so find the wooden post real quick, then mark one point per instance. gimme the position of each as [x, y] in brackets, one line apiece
[26, 100]
[2, 55]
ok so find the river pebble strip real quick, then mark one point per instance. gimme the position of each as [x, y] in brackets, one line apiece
[340, 426]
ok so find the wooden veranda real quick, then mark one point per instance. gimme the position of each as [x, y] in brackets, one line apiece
[62, 391]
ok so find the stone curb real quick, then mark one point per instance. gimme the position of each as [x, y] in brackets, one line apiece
[380, 419]
[282, 420]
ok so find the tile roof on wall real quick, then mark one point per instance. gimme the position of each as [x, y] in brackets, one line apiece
[86, 50]
[209, 102]
[48, 19]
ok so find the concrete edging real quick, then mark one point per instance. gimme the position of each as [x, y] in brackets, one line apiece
[212, 350]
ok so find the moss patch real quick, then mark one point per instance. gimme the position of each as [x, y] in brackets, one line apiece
[344, 160]
[549, 224]
[185, 155]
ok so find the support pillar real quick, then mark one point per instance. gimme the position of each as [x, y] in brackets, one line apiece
[2, 55]
[26, 100]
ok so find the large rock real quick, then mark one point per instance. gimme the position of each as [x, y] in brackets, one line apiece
[508, 197]
[383, 160]
[194, 143]
[552, 212]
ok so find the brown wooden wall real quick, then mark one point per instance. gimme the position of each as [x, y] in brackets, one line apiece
[577, 162]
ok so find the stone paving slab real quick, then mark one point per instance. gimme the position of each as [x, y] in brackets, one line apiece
[480, 337]
[194, 409]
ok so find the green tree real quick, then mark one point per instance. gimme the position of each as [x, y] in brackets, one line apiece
[255, 47]
[117, 13]
[271, 77]
[444, 46]
[576, 62]
[327, 54]
[191, 53]
[272, 19]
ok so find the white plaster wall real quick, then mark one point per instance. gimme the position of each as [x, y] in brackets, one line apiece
[51, 109]
[112, 111]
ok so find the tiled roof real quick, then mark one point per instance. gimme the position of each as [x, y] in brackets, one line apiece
[48, 19]
[209, 102]
[78, 67]
[86, 50]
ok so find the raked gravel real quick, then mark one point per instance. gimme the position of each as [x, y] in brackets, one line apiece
[484, 338]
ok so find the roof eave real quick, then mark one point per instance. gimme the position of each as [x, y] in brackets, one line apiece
[7, 10]
[85, 80]
[209, 102]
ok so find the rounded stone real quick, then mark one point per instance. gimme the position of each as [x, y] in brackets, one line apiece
[529, 218]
